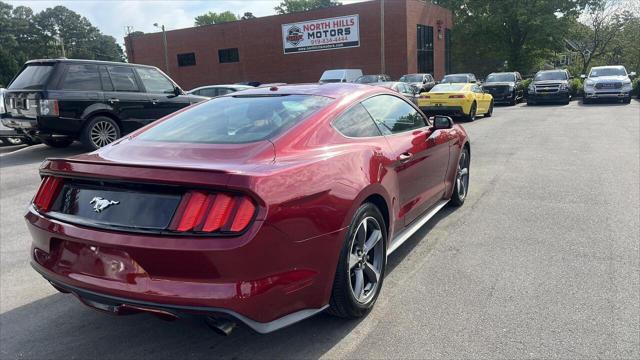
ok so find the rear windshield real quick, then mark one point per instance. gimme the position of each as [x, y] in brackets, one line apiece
[447, 87]
[236, 119]
[455, 79]
[33, 77]
[366, 79]
[412, 78]
[551, 75]
[501, 78]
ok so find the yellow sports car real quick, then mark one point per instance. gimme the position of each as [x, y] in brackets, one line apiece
[456, 99]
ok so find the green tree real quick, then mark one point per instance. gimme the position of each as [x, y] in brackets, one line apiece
[247, 16]
[290, 6]
[211, 18]
[508, 34]
[25, 35]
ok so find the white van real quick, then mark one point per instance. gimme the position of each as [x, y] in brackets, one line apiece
[340, 75]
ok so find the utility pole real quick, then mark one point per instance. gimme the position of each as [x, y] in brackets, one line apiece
[382, 64]
[164, 46]
[64, 55]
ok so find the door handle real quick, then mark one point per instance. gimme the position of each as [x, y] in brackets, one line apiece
[404, 157]
[113, 100]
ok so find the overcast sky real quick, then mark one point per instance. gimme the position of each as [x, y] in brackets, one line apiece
[113, 16]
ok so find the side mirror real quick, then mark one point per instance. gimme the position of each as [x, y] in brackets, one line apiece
[177, 91]
[583, 76]
[632, 74]
[442, 122]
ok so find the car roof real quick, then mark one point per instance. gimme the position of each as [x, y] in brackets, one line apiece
[503, 72]
[332, 90]
[234, 86]
[65, 60]
[608, 66]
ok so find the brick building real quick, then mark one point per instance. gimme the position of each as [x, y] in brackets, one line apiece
[298, 47]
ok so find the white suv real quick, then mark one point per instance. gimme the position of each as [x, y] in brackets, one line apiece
[608, 82]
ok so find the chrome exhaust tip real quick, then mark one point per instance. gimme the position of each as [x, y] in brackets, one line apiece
[220, 325]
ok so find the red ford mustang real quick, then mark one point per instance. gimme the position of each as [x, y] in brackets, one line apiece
[265, 206]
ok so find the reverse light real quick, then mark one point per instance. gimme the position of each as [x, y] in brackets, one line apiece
[47, 192]
[458, 96]
[211, 212]
[49, 107]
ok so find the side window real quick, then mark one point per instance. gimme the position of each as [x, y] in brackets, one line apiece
[210, 92]
[356, 122]
[106, 80]
[123, 78]
[393, 115]
[476, 89]
[224, 91]
[82, 77]
[154, 81]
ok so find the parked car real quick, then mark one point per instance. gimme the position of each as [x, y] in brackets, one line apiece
[460, 78]
[8, 136]
[608, 82]
[368, 79]
[505, 87]
[58, 101]
[340, 75]
[549, 86]
[464, 99]
[403, 88]
[248, 207]
[217, 90]
[422, 82]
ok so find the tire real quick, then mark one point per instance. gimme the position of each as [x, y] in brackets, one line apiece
[354, 268]
[461, 184]
[490, 112]
[627, 100]
[472, 112]
[57, 142]
[99, 132]
[514, 100]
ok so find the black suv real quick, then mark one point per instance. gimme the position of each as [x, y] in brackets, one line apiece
[60, 100]
[549, 85]
[505, 87]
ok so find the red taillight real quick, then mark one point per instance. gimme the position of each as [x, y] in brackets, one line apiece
[460, 96]
[49, 188]
[243, 215]
[203, 212]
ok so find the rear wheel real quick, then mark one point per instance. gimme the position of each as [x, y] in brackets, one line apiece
[472, 112]
[490, 111]
[627, 100]
[99, 132]
[461, 185]
[361, 266]
[57, 142]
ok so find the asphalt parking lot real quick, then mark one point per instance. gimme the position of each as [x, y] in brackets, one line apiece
[542, 261]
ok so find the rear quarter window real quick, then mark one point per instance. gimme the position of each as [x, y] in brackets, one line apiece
[236, 119]
[82, 77]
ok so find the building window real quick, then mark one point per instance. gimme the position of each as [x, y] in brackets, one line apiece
[228, 55]
[447, 51]
[425, 49]
[188, 59]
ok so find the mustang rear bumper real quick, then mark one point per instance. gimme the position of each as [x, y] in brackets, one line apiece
[260, 278]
